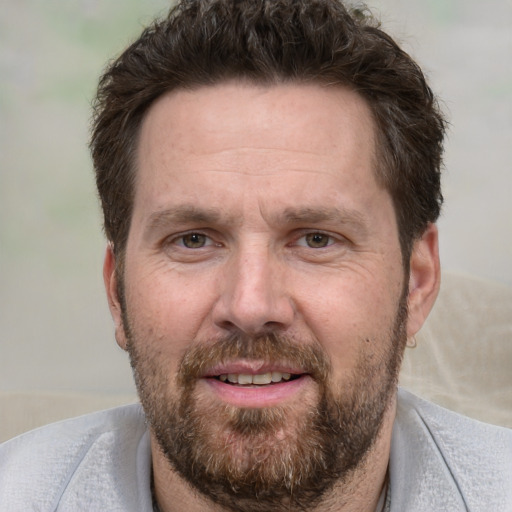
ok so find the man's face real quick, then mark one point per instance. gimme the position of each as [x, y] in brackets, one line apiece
[264, 305]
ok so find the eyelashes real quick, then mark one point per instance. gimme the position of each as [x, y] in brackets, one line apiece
[198, 240]
[194, 240]
[315, 240]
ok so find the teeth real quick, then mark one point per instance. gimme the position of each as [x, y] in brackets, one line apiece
[245, 379]
[277, 376]
[264, 378]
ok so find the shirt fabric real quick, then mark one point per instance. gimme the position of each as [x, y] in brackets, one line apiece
[101, 462]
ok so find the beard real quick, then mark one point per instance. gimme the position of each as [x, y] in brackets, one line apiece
[274, 458]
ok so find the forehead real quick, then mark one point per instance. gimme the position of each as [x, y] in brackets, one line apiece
[287, 142]
[203, 119]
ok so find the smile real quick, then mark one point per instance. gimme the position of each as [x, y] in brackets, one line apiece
[245, 379]
[256, 390]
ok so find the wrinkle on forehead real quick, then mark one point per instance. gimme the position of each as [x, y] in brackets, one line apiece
[262, 171]
[200, 150]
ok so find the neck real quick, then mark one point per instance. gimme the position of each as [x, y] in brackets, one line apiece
[359, 494]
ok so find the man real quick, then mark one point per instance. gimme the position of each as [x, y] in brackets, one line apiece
[269, 172]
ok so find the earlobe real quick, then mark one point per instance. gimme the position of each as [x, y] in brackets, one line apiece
[111, 287]
[424, 280]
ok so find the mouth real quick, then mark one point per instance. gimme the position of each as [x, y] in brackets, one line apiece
[251, 385]
[258, 379]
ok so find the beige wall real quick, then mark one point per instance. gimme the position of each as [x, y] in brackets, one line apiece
[55, 331]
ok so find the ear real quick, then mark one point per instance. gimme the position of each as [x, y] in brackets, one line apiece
[424, 280]
[110, 280]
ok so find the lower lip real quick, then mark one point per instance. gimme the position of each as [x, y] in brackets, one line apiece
[261, 396]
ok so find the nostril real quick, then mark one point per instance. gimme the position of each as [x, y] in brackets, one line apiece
[267, 328]
[228, 326]
[273, 326]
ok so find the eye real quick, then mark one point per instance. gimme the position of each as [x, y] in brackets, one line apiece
[315, 240]
[194, 240]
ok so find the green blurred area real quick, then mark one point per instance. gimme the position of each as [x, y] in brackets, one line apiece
[52, 53]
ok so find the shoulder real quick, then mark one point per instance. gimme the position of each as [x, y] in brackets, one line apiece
[452, 431]
[469, 461]
[73, 457]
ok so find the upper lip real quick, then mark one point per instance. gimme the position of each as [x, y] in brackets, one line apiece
[251, 367]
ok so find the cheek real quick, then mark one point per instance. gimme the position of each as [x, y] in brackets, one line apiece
[167, 310]
[351, 317]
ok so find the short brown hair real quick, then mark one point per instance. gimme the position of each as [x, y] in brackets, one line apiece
[203, 42]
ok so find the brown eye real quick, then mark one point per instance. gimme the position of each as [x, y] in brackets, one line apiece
[317, 240]
[194, 240]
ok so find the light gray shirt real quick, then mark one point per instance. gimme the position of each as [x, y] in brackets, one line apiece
[101, 462]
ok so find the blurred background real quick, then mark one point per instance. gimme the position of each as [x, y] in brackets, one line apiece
[55, 328]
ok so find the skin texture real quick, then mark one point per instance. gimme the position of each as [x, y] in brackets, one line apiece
[233, 182]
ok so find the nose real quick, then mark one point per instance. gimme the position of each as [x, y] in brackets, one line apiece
[253, 295]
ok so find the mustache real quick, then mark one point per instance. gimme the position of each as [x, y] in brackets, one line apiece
[269, 347]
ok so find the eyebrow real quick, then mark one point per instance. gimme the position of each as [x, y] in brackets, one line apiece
[188, 213]
[182, 214]
[336, 215]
